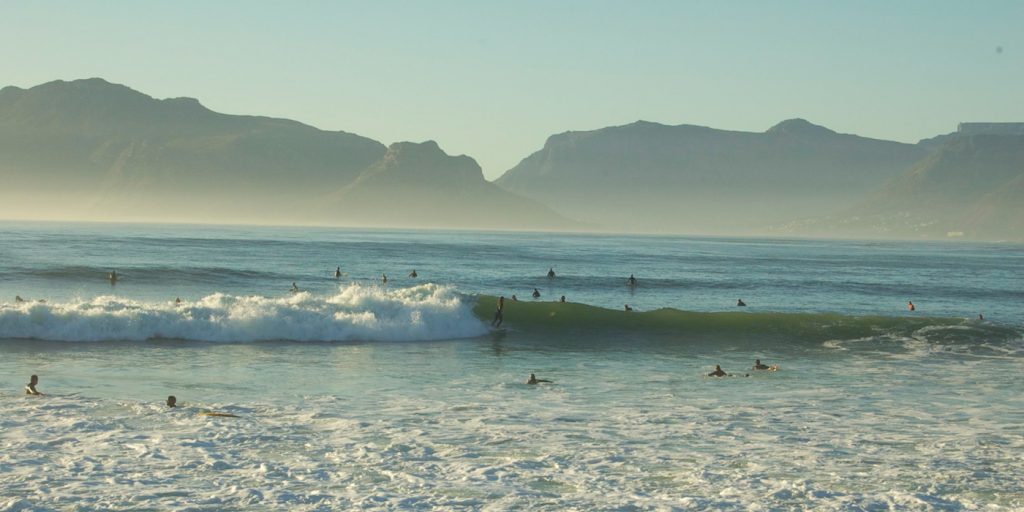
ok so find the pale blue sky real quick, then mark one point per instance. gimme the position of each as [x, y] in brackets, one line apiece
[494, 80]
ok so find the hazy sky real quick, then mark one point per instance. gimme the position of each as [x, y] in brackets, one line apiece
[494, 79]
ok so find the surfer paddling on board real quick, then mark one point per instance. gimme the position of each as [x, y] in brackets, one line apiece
[534, 380]
[499, 313]
[30, 388]
[740, 303]
[759, 366]
[719, 372]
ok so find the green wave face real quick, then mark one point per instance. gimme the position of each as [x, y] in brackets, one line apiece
[567, 318]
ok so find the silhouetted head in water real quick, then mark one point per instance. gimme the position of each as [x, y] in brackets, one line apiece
[30, 388]
[172, 401]
[562, 299]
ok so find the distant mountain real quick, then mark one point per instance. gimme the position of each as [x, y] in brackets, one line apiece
[693, 179]
[90, 149]
[971, 186]
[419, 185]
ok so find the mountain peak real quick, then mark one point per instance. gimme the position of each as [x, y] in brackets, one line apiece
[799, 127]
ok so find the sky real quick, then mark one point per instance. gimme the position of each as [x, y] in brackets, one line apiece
[493, 80]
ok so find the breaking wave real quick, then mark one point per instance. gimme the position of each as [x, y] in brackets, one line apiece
[355, 313]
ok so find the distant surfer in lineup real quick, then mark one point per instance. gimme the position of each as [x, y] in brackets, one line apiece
[30, 388]
[113, 277]
[295, 287]
[627, 308]
[534, 380]
[981, 317]
[536, 293]
[562, 299]
[759, 366]
[632, 280]
[172, 401]
[514, 299]
[740, 303]
[177, 300]
[337, 273]
[384, 278]
[910, 306]
[499, 313]
[17, 298]
[719, 372]
[413, 274]
[551, 272]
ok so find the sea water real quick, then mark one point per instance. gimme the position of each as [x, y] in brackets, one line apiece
[353, 393]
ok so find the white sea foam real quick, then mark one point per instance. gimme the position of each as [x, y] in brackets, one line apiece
[355, 313]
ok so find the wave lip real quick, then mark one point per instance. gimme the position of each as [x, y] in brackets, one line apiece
[356, 313]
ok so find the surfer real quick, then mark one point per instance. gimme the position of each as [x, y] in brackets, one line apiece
[113, 277]
[718, 372]
[910, 306]
[632, 280]
[30, 388]
[562, 299]
[499, 313]
[981, 317]
[627, 308]
[384, 278]
[337, 273]
[514, 299]
[551, 272]
[413, 273]
[17, 298]
[295, 287]
[536, 293]
[534, 380]
[759, 366]
[740, 303]
[172, 401]
[177, 301]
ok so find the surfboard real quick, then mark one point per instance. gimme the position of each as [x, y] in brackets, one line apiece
[218, 414]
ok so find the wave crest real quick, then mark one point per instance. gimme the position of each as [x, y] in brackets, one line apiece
[356, 313]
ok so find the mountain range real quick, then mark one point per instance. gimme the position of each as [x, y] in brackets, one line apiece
[93, 150]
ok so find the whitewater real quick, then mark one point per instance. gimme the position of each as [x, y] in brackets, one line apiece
[355, 393]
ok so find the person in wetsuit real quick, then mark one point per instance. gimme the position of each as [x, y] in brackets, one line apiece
[534, 380]
[759, 366]
[499, 313]
[719, 372]
[30, 388]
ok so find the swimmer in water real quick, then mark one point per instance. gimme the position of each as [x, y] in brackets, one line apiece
[413, 273]
[113, 277]
[534, 380]
[172, 401]
[632, 280]
[337, 273]
[551, 272]
[499, 313]
[759, 366]
[536, 294]
[562, 299]
[30, 388]
[718, 372]
[627, 308]
[910, 306]
[740, 303]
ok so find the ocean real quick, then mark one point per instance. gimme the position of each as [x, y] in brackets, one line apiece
[353, 393]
